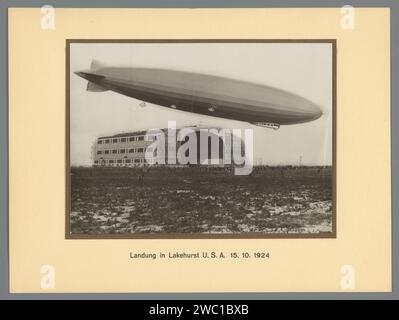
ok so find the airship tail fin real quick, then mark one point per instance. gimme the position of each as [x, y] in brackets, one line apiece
[95, 87]
[96, 65]
[91, 86]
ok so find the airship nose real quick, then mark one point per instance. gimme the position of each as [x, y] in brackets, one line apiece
[316, 113]
[310, 112]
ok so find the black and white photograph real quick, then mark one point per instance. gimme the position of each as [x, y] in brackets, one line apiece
[200, 139]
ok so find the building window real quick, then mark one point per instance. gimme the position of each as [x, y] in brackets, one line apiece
[123, 139]
[119, 161]
[114, 151]
[99, 152]
[96, 161]
[128, 161]
[106, 141]
[106, 151]
[100, 142]
[140, 150]
[122, 150]
[114, 140]
[136, 160]
[132, 139]
[110, 161]
[141, 138]
[131, 150]
[151, 138]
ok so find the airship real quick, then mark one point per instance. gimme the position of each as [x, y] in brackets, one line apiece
[204, 94]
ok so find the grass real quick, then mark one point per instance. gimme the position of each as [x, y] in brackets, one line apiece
[200, 200]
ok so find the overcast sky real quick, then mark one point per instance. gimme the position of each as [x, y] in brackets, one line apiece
[304, 69]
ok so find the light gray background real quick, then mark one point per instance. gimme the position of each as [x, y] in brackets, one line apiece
[4, 255]
[304, 69]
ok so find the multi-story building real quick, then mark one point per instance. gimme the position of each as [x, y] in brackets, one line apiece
[124, 149]
[129, 149]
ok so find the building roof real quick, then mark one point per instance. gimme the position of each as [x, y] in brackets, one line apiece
[124, 134]
[142, 132]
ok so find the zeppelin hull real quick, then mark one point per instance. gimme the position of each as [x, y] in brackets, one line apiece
[206, 95]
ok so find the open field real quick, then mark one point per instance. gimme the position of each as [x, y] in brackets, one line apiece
[200, 200]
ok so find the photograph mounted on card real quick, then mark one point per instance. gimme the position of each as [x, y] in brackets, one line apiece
[200, 138]
[150, 152]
